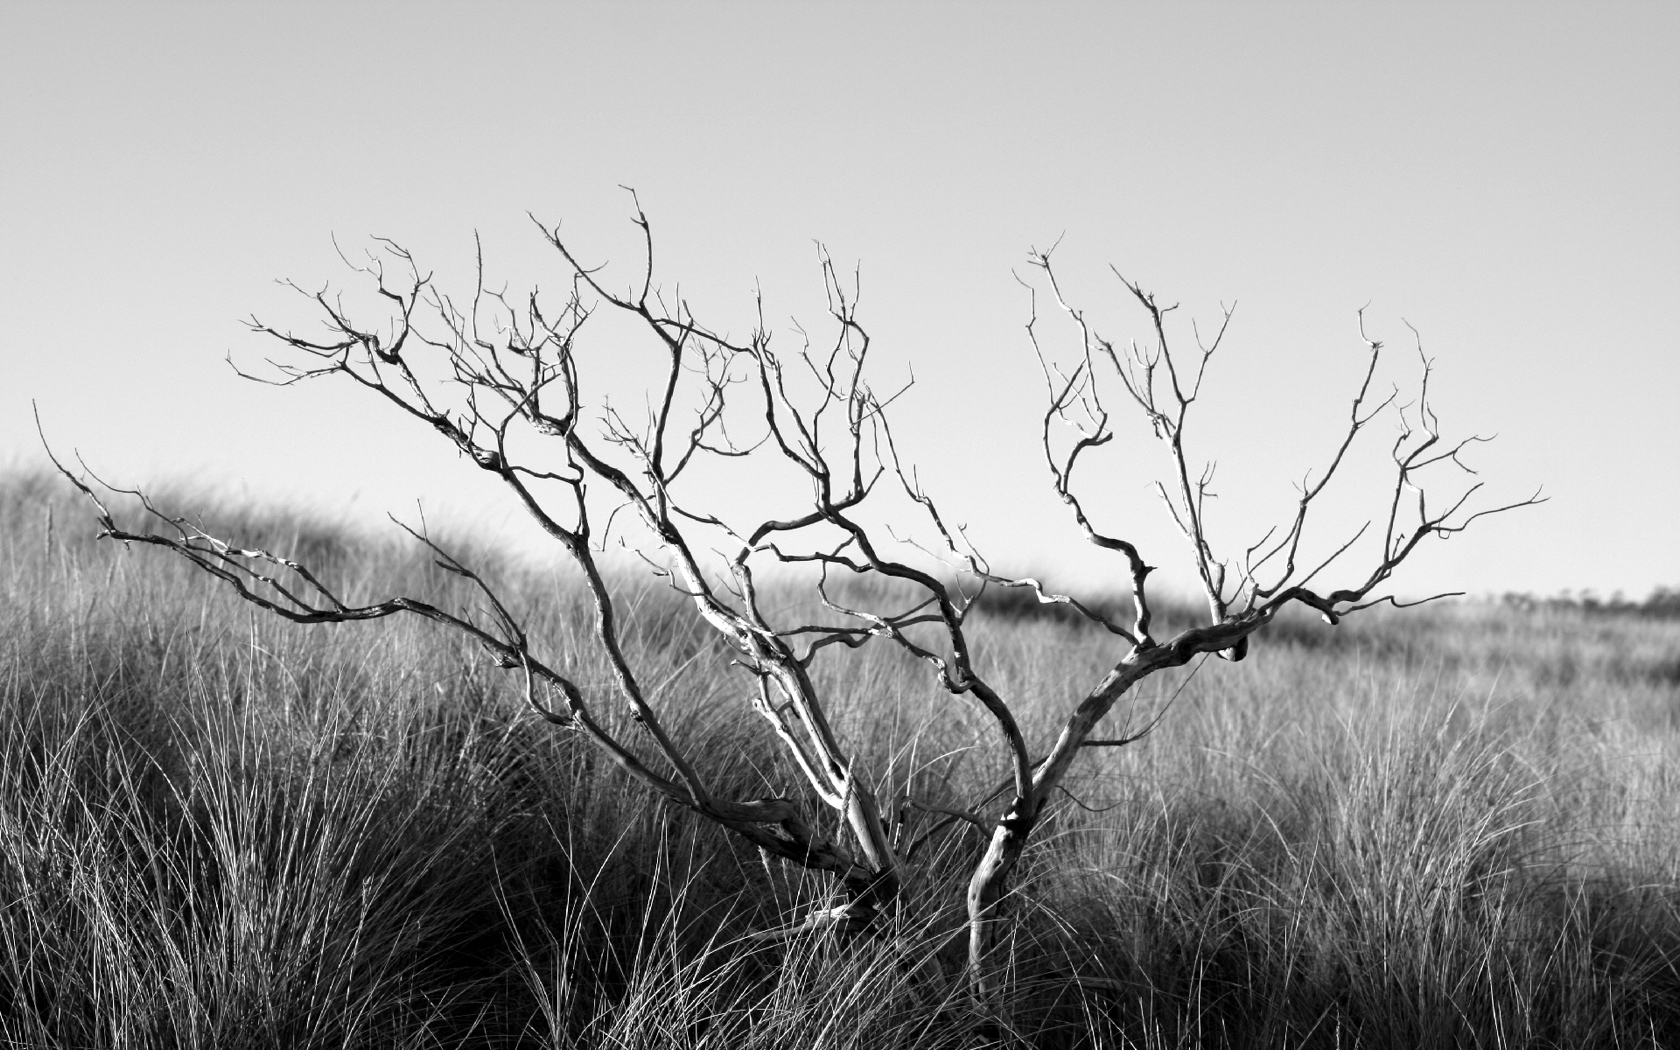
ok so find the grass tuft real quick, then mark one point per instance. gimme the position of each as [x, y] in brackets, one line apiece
[1453, 827]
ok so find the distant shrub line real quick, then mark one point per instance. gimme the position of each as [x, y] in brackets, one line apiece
[1663, 603]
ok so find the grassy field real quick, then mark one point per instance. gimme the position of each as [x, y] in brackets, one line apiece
[1450, 827]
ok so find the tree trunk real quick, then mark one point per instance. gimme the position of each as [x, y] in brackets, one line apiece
[989, 884]
[879, 895]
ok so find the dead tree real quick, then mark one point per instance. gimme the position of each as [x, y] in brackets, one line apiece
[498, 377]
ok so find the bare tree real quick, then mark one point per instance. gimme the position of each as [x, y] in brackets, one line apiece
[498, 377]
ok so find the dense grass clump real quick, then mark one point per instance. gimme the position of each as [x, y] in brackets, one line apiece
[1441, 828]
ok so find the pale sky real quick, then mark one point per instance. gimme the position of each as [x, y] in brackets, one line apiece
[1500, 175]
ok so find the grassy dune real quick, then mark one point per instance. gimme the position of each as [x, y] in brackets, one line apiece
[1450, 827]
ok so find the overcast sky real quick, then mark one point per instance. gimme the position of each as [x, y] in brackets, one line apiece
[1501, 176]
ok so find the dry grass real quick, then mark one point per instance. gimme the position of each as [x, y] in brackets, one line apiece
[1444, 828]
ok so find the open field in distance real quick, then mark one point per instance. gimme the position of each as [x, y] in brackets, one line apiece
[1456, 826]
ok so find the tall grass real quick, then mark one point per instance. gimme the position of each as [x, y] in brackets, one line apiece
[1456, 826]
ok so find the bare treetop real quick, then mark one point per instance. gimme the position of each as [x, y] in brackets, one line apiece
[500, 377]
